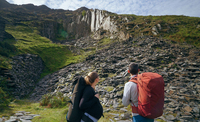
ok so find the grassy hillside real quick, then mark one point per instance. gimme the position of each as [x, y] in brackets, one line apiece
[176, 28]
[28, 40]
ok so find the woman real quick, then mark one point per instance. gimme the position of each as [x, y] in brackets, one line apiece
[89, 102]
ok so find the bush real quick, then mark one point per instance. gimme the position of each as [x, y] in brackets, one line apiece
[83, 13]
[4, 101]
[45, 99]
[54, 101]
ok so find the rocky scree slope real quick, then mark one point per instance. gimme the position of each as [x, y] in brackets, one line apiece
[178, 64]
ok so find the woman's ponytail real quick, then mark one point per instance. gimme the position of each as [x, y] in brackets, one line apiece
[90, 78]
[87, 80]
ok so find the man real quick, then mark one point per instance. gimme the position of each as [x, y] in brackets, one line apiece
[130, 95]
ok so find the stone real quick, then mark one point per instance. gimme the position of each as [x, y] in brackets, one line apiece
[159, 26]
[125, 116]
[155, 29]
[24, 120]
[183, 90]
[154, 33]
[14, 117]
[11, 120]
[170, 117]
[188, 109]
[123, 109]
[186, 117]
[26, 117]
[196, 109]
[19, 114]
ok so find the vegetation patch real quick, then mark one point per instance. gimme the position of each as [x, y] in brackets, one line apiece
[176, 28]
[55, 56]
[104, 41]
[45, 114]
[7, 50]
[4, 101]
[83, 13]
[54, 101]
[109, 88]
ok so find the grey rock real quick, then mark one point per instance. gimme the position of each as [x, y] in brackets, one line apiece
[26, 117]
[196, 109]
[11, 120]
[123, 109]
[19, 114]
[125, 116]
[186, 117]
[24, 120]
[170, 117]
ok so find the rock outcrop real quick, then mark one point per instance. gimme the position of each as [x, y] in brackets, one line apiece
[25, 72]
[179, 65]
[64, 25]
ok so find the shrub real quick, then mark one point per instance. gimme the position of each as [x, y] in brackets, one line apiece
[54, 101]
[45, 99]
[83, 13]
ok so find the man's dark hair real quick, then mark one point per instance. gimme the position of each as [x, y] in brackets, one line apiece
[133, 68]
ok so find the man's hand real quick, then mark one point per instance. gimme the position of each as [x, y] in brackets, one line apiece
[97, 95]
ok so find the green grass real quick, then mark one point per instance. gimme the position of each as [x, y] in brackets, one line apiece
[109, 88]
[5, 62]
[46, 114]
[55, 56]
[104, 41]
[176, 28]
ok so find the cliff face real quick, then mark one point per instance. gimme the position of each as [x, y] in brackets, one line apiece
[65, 25]
[53, 23]
[79, 25]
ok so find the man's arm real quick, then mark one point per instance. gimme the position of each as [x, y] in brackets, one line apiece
[127, 95]
[130, 94]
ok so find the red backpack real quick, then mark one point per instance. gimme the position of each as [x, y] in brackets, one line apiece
[150, 94]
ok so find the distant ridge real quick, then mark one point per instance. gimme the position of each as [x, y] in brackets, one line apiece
[81, 9]
[5, 4]
[30, 7]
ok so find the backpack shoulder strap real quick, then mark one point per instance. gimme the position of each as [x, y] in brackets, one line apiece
[134, 80]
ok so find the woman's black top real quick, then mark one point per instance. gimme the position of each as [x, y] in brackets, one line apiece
[91, 104]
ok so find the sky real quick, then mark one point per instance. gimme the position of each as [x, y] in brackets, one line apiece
[137, 7]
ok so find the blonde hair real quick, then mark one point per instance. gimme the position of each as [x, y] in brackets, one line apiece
[90, 78]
